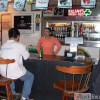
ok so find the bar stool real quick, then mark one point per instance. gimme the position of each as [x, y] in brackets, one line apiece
[76, 81]
[6, 81]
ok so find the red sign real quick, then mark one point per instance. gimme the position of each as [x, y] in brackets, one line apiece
[75, 12]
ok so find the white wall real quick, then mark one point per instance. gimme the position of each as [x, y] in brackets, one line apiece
[27, 38]
[94, 52]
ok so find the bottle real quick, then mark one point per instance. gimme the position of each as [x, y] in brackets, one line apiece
[81, 30]
[41, 52]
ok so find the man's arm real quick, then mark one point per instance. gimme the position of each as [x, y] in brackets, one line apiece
[23, 51]
[29, 57]
[38, 45]
[58, 44]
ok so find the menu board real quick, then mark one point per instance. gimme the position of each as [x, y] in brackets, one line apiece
[6, 21]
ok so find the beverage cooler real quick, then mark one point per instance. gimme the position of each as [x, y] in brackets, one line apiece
[88, 28]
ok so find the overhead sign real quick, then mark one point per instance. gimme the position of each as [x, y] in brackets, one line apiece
[79, 12]
[87, 12]
[75, 12]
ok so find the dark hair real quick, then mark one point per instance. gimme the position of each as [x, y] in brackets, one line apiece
[48, 29]
[13, 33]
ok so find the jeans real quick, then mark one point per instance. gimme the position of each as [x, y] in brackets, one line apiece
[28, 81]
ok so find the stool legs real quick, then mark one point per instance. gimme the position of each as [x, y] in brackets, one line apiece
[66, 98]
[63, 97]
[9, 93]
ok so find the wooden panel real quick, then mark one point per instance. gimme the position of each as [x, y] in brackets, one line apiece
[6, 21]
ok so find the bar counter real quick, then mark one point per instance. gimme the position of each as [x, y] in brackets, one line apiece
[58, 58]
[47, 57]
[45, 74]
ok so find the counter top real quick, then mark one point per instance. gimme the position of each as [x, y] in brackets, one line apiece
[57, 58]
[48, 57]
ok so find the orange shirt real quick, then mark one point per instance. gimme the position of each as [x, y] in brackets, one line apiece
[48, 45]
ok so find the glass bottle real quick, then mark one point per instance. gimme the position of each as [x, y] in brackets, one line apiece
[41, 52]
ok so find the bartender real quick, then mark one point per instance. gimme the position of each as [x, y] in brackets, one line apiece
[48, 42]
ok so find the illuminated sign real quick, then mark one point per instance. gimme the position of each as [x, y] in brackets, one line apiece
[87, 12]
[79, 12]
[75, 12]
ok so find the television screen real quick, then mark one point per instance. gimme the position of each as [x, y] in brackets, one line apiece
[23, 22]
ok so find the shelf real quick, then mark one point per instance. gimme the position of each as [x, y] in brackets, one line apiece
[87, 41]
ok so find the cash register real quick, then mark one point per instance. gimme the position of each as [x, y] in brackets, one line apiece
[71, 54]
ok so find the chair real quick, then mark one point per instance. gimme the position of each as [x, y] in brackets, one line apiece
[5, 81]
[78, 83]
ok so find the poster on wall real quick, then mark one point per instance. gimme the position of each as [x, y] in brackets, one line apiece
[58, 11]
[42, 4]
[37, 22]
[53, 11]
[64, 3]
[23, 22]
[6, 21]
[48, 12]
[88, 3]
[3, 5]
[19, 5]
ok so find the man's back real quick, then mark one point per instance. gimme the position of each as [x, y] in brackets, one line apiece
[14, 50]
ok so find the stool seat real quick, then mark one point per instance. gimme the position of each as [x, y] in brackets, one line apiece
[4, 81]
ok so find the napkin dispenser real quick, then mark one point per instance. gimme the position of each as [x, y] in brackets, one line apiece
[69, 54]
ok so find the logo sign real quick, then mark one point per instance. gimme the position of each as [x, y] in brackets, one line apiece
[79, 12]
[87, 12]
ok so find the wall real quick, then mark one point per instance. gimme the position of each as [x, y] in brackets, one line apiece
[32, 39]
[27, 39]
[94, 52]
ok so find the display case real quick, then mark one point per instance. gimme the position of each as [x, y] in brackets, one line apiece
[88, 28]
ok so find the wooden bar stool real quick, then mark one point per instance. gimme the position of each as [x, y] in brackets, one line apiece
[77, 82]
[6, 81]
